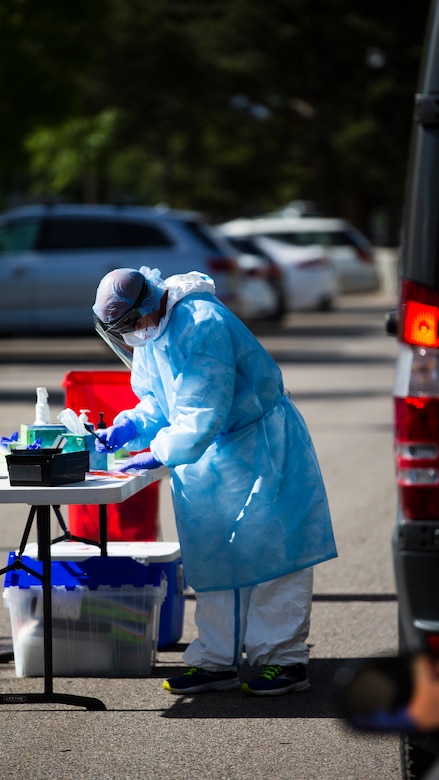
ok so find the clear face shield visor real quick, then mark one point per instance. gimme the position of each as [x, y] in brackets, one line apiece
[115, 342]
[112, 332]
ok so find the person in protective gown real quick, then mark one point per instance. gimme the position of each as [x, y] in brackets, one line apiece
[250, 505]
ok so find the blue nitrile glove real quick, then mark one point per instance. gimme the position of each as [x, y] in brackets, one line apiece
[143, 460]
[5, 440]
[116, 436]
[37, 445]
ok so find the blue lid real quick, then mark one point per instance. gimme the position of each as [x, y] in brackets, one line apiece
[90, 573]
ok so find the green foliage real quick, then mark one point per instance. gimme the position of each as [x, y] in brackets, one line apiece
[230, 107]
[47, 49]
[60, 156]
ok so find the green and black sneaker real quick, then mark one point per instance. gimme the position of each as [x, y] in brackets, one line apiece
[276, 680]
[197, 680]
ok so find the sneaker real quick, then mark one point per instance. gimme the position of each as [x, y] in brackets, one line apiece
[197, 680]
[276, 680]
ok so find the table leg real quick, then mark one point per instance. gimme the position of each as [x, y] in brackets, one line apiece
[103, 530]
[90, 703]
[43, 535]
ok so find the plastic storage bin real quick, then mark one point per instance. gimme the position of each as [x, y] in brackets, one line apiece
[135, 519]
[105, 614]
[166, 555]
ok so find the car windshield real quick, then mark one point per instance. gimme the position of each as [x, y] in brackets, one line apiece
[73, 233]
[246, 246]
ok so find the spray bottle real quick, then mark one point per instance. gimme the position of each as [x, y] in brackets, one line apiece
[42, 410]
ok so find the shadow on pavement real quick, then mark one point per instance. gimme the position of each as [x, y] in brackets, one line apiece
[317, 702]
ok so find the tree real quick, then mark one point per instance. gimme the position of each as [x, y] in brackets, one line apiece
[230, 107]
[72, 152]
[47, 51]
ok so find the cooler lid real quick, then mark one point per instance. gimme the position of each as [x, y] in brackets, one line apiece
[147, 552]
[90, 573]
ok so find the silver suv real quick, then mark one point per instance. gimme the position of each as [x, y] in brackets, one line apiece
[53, 257]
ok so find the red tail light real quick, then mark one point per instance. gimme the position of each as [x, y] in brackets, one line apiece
[259, 273]
[421, 324]
[417, 456]
[416, 403]
[274, 273]
[365, 254]
[433, 643]
[223, 265]
[418, 314]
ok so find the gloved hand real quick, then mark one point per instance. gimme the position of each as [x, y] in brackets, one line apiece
[5, 440]
[143, 460]
[116, 436]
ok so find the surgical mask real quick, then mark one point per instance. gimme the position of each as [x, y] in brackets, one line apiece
[138, 338]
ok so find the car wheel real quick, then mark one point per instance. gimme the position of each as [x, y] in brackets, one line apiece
[281, 309]
[326, 304]
[415, 760]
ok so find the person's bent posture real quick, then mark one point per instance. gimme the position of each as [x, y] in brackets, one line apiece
[250, 505]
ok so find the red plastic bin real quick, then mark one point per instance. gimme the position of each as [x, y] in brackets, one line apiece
[135, 519]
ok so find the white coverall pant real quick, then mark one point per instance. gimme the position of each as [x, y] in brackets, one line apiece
[271, 620]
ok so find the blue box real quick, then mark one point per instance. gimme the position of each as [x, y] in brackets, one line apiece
[105, 614]
[172, 611]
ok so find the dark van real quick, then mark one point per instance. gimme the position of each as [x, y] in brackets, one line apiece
[416, 393]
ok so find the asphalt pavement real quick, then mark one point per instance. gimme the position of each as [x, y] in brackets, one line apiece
[339, 367]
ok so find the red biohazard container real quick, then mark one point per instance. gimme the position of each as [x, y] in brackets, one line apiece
[135, 519]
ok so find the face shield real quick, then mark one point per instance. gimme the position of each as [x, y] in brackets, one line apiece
[115, 341]
[113, 332]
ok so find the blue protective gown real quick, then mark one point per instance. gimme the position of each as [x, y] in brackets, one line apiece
[249, 499]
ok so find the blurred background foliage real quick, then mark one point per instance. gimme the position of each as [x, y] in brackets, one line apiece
[231, 108]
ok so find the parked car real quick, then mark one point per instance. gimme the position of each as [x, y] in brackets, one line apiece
[53, 257]
[350, 251]
[416, 396]
[302, 277]
[259, 297]
[262, 264]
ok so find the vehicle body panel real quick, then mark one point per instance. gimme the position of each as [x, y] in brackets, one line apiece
[52, 259]
[415, 541]
[350, 251]
[305, 277]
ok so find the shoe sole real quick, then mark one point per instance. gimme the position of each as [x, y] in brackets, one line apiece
[216, 685]
[300, 686]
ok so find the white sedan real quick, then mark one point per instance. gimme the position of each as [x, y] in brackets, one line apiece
[350, 252]
[304, 277]
[259, 297]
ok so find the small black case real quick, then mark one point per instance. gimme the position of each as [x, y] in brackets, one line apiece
[46, 467]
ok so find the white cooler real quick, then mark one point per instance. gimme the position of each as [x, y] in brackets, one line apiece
[166, 553]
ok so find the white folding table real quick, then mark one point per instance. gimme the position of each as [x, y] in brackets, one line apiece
[101, 489]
